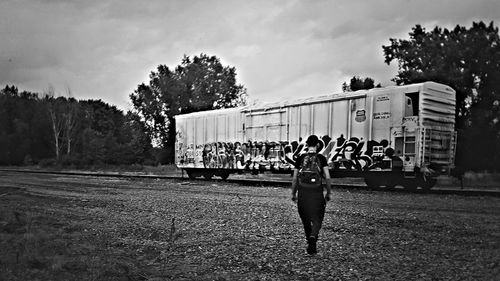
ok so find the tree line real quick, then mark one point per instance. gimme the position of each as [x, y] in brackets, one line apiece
[35, 128]
[48, 130]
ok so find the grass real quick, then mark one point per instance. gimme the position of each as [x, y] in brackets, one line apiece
[39, 248]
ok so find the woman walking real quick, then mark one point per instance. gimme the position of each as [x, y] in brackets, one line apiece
[310, 176]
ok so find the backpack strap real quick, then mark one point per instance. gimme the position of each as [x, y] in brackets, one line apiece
[315, 154]
[318, 162]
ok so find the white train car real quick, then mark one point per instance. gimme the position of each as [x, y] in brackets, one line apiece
[394, 135]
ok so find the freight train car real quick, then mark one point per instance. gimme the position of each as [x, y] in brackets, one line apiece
[400, 135]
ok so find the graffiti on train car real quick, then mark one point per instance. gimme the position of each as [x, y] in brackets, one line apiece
[351, 154]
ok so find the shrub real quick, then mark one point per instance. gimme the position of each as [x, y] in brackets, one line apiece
[28, 161]
[48, 162]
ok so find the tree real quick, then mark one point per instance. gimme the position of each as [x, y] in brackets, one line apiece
[23, 127]
[469, 61]
[70, 117]
[197, 84]
[134, 145]
[357, 83]
[7, 112]
[100, 128]
[107, 136]
[62, 112]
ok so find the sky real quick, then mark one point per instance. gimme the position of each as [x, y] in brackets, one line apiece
[103, 49]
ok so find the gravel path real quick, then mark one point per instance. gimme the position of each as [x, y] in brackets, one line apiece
[85, 228]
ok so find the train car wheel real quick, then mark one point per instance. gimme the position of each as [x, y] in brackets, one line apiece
[426, 182]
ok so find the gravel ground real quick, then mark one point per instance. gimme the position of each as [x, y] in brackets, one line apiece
[88, 228]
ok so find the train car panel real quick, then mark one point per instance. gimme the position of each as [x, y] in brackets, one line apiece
[300, 117]
[357, 119]
[381, 113]
[210, 129]
[339, 118]
[398, 106]
[306, 121]
[320, 114]
[437, 106]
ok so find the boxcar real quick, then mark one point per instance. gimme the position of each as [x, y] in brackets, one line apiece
[399, 135]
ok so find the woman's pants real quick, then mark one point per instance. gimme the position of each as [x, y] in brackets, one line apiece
[311, 205]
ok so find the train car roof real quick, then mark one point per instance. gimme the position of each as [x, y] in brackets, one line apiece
[264, 106]
[331, 97]
[221, 111]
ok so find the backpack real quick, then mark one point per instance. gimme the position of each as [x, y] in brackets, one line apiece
[310, 175]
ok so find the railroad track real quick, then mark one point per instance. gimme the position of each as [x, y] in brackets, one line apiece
[266, 182]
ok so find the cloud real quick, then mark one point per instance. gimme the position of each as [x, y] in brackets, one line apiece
[104, 49]
[247, 51]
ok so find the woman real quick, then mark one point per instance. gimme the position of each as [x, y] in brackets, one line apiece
[310, 202]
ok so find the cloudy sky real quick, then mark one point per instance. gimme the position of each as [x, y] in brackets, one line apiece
[100, 49]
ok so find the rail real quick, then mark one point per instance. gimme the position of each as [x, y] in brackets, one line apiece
[268, 182]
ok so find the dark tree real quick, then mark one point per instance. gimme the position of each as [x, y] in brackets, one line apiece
[65, 131]
[469, 61]
[107, 136]
[23, 128]
[197, 84]
[134, 143]
[357, 83]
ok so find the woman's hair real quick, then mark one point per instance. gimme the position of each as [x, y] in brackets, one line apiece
[312, 140]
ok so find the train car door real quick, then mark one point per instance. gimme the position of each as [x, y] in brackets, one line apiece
[381, 117]
[265, 125]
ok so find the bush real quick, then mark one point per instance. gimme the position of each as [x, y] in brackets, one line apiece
[150, 162]
[28, 161]
[48, 162]
[73, 160]
[161, 155]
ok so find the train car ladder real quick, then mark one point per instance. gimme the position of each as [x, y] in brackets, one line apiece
[409, 141]
[453, 151]
[425, 140]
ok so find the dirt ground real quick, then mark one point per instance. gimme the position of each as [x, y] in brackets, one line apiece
[103, 228]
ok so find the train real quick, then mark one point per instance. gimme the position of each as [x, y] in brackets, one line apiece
[396, 135]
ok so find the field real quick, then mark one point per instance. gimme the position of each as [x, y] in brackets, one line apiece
[103, 228]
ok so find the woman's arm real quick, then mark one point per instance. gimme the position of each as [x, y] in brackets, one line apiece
[294, 184]
[326, 171]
